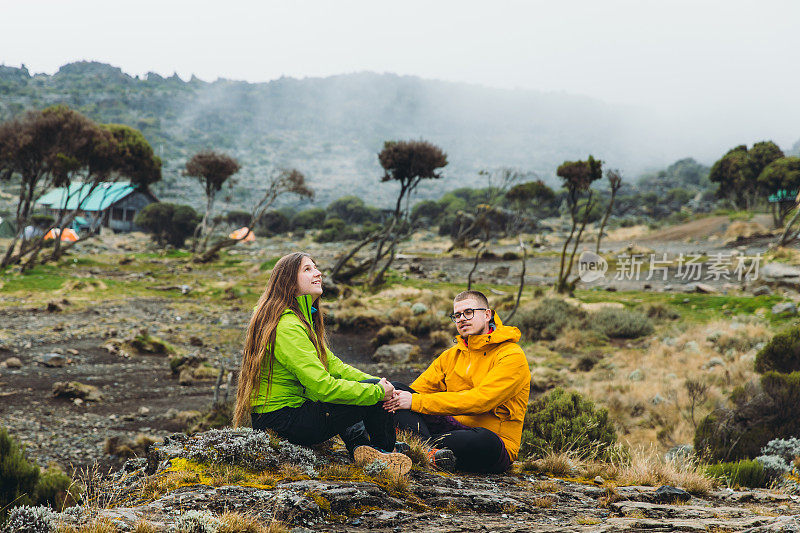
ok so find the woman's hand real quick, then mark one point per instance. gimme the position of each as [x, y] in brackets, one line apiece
[388, 389]
[400, 400]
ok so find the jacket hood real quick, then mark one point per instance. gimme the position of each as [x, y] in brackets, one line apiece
[500, 334]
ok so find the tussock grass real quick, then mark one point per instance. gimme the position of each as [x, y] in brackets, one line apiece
[419, 448]
[640, 467]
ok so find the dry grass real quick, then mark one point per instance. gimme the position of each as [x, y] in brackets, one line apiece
[560, 464]
[419, 448]
[547, 486]
[647, 468]
[543, 502]
[291, 472]
[340, 471]
[644, 466]
[587, 520]
[143, 526]
[234, 522]
[658, 408]
[97, 525]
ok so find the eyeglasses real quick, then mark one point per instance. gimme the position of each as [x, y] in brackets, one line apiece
[466, 313]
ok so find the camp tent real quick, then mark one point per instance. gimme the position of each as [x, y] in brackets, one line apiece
[7, 230]
[67, 235]
[241, 232]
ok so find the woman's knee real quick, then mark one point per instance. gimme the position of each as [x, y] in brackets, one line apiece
[399, 385]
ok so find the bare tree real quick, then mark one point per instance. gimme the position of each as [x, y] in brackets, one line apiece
[577, 177]
[407, 163]
[212, 169]
[615, 181]
[282, 182]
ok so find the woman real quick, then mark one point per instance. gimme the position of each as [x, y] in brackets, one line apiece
[291, 383]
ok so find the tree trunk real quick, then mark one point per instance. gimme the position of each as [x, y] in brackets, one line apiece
[474, 266]
[521, 280]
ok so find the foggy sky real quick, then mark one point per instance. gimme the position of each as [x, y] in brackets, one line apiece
[725, 69]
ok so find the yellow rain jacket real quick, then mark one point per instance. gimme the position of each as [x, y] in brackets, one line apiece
[484, 381]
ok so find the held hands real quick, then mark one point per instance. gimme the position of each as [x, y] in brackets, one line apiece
[400, 400]
[388, 389]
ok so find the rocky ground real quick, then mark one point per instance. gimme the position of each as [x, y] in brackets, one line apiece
[431, 501]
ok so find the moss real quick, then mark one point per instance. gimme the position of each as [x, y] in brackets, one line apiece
[320, 500]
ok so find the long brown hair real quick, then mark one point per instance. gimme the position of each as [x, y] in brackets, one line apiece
[280, 294]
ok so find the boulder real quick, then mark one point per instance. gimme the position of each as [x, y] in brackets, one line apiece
[784, 308]
[53, 360]
[395, 353]
[75, 389]
[668, 494]
[762, 290]
[12, 362]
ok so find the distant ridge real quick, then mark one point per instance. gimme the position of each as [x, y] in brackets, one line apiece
[332, 128]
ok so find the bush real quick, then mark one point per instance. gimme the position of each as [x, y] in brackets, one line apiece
[42, 221]
[391, 335]
[18, 477]
[55, 489]
[621, 323]
[781, 353]
[313, 218]
[168, 223]
[565, 421]
[661, 311]
[549, 318]
[761, 412]
[352, 210]
[237, 218]
[745, 473]
[272, 223]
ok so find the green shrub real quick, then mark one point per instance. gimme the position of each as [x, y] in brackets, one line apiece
[392, 334]
[55, 489]
[168, 223]
[43, 221]
[18, 477]
[659, 310]
[549, 318]
[781, 353]
[309, 219]
[744, 473]
[761, 412]
[621, 323]
[565, 421]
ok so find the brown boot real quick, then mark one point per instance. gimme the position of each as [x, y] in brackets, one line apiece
[396, 463]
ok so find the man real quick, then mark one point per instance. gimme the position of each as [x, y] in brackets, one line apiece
[471, 400]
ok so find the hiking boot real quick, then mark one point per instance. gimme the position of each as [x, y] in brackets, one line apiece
[396, 463]
[442, 459]
[402, 447]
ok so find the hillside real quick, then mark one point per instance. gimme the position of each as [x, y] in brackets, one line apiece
[332, 128]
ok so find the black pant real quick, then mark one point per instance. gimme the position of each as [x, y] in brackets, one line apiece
[315, 422]
[476, 449]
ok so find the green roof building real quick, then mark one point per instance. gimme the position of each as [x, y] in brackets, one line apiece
[112, 204]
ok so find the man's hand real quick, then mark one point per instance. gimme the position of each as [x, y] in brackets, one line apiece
[388, 389]
[400, 400]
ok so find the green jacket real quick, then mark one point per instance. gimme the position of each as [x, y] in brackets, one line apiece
[298, 374]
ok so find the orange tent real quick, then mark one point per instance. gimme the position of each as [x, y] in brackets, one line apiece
[66, 235]
[241, 232]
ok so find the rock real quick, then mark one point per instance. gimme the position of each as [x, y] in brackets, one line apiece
[185, 289]
[692, 346]
[667, 288]
[419, 308]
[395, 353]
[599, 481]
[787, 308]
[75, 389]
[778, 272]
[195, 341]
[185, 378]
[52, 360]
[704, 288]
[54, 307]
[636, 375]
[668, 494]
[72, 351]
[144, 411]
[680, 453]
[714, 361]
[12, 362]
[763, 290]
[611, 288]
[501, 272]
